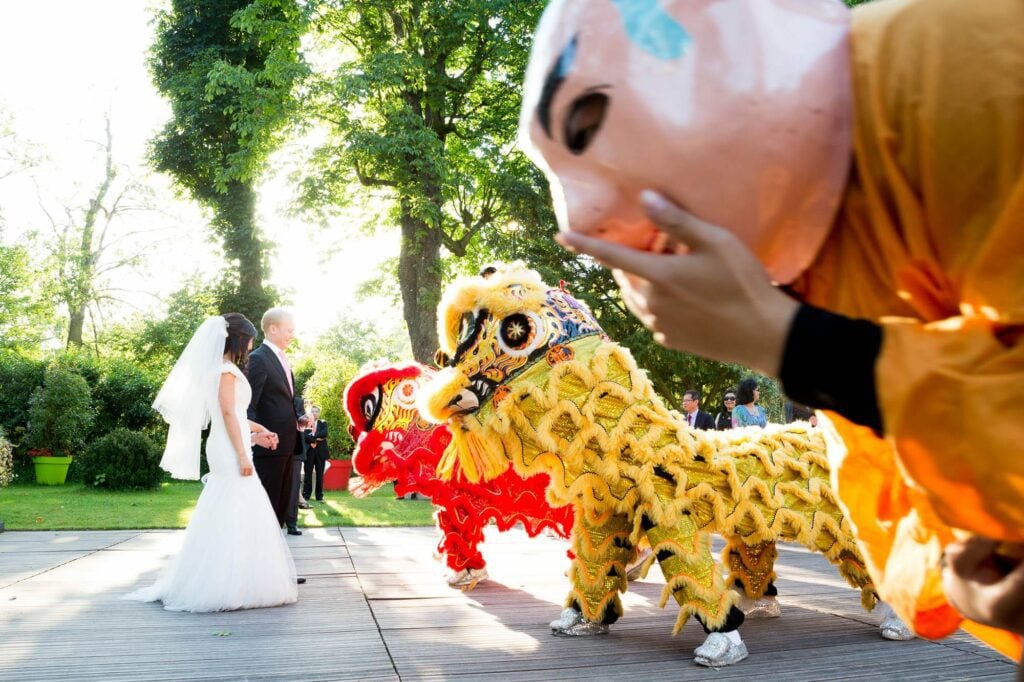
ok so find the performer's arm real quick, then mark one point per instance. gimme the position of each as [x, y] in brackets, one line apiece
[829, 362]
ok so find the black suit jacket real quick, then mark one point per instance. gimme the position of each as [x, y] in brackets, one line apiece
[273, 404]
[317, 435]
[703, 420]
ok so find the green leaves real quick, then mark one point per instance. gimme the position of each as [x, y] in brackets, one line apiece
[423, 106]
[229, 68]
[24, 316]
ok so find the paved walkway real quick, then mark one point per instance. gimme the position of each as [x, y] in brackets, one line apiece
[376, 607]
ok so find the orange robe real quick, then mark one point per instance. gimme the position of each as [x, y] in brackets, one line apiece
[929, 242]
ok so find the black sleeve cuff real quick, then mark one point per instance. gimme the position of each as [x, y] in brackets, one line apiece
[829, 363]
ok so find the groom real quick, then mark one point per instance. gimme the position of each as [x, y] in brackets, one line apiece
[275, 406]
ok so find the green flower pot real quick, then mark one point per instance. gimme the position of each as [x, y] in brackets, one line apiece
[51, 470]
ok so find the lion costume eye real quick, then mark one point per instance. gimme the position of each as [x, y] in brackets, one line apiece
[370, 405]
[467, 326]
[518, 334]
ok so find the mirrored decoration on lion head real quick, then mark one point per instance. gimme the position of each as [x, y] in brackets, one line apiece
[737, 110]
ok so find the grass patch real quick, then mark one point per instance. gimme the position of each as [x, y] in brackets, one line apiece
[77, 507]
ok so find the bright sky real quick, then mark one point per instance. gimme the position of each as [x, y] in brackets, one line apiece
[67, 62]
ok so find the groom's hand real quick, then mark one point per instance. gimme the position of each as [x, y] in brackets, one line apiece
[267, 439]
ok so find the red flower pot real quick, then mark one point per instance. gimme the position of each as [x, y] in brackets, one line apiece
[337, 475]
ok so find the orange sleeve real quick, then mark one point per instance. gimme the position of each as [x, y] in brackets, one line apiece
[952, 396]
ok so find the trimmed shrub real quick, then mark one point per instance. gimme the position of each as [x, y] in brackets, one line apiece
[325, 389]
[6, 461]
[122, 460]
[60, 412]
[123, 397]
[19, 376]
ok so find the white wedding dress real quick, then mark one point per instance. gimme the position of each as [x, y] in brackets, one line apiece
[234, 555]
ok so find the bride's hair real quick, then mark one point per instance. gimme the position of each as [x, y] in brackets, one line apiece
[240, 332]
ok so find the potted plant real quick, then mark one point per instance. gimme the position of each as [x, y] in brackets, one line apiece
[60, 417]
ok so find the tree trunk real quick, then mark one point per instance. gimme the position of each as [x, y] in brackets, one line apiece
[75, 325]
[80, 290]
[236, 215]
[419, 277]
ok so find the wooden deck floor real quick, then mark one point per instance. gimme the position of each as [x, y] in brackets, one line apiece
[375, 607]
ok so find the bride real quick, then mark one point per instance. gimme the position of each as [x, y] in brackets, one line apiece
[234, 555]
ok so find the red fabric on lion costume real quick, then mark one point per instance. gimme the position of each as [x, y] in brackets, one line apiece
[393, 443]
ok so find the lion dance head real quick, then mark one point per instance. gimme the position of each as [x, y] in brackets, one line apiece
[392, 439]
[493, 328]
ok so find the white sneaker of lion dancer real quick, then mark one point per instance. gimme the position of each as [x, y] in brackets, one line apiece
[571, 623]
[892, 626]
[720, 649]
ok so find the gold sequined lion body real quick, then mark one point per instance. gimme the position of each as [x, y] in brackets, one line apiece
[530, 377]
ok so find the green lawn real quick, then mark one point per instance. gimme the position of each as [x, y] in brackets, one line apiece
[75, 507]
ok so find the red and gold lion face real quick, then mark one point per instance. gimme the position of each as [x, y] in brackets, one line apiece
[392, 441]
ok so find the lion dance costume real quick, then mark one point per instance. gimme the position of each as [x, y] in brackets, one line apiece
[393, 443]
[531, 379]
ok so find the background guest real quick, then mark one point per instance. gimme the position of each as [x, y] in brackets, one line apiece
[795, 411]
[723, 420]
[695, 417]
[295, 501]
[747, 412]
[317, 454]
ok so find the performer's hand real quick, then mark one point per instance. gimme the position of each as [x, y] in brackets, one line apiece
[716, 300]
[985, 585]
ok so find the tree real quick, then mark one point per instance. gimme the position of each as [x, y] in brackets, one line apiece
[424, 108]
[362, 341]
[23, 316]
[156, 343]
[86, 245]
[228, 68]
[16, 155]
